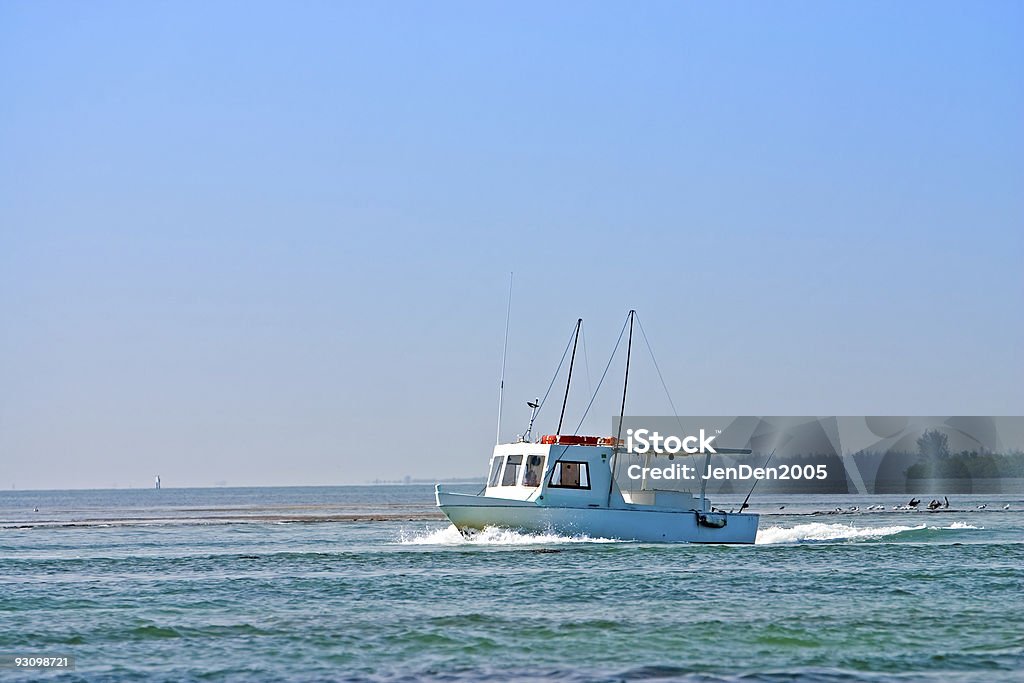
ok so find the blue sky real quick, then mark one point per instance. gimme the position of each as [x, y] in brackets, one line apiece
[269, 243]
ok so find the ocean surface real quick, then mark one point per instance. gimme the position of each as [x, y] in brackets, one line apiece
[369, 584]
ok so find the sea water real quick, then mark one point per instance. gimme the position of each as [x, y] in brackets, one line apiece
[367, 584]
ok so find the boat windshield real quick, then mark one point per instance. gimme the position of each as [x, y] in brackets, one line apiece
[534, 470]
[495, 470]
[512, 465]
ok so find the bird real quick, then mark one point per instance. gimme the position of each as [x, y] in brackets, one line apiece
[1006, 507]
[782, 507]
[982, 506]
[914, 502]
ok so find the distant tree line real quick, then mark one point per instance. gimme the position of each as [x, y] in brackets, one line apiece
[934, 461]
[888, 471]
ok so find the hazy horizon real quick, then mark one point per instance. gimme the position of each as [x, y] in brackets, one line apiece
[270, 244]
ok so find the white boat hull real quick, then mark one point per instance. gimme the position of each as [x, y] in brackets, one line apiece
[469, 513]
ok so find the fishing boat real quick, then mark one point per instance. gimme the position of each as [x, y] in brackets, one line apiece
[571, 484]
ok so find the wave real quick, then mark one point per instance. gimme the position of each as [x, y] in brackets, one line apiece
[819, 531]
[492, 536]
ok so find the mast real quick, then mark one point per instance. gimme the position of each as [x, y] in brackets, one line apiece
[504, 351]
[568, 382]
[622, 410]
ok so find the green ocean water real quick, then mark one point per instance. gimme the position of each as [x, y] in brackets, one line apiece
[253, 584]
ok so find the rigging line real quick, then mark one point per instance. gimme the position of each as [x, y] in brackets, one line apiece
[568, 382]
[622, 412]
[603, 374]
[625, 382]
[557, 370]
[586, 361]
[549, 468]
[660, 376]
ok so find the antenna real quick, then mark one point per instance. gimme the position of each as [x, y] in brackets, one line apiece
[504, 351]
[534, 405]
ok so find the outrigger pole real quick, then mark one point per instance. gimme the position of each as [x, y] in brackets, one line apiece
[622, 409]
[572, 359]
[751, 492]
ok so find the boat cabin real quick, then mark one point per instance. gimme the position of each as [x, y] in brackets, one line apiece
[568, 468]
[574, 471]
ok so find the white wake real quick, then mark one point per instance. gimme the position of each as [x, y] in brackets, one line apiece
[819, 531]
[491, 536]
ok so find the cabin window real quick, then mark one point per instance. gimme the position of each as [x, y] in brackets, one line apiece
[570, 475]
[534, 470]
[512, 465]
[495, 470]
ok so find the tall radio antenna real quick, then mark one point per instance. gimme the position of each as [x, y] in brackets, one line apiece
[504, 352]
